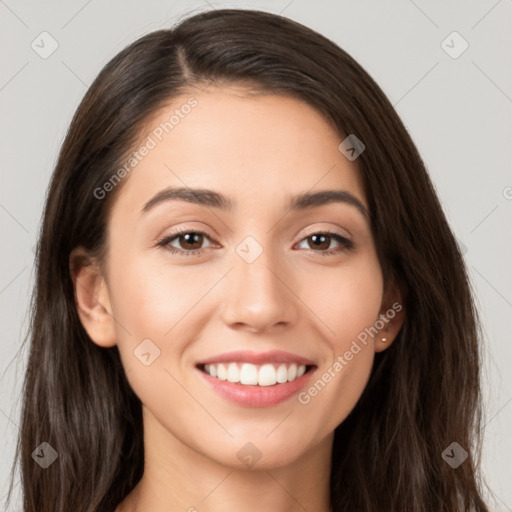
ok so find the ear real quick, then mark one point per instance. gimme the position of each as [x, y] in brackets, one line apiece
[392, 315]
[92, 298]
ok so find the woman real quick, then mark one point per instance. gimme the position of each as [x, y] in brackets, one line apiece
[248, 296]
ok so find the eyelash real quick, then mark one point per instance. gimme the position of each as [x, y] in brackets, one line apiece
[346, 244]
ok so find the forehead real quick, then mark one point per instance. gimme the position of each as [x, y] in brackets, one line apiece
[257, 150]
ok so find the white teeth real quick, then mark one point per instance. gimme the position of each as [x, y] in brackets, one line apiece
[292, 372]
[221, 372]
[251, 375]
[282, 374]
[233, 373]
[267, 375]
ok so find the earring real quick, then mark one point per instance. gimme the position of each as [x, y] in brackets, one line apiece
[383, 340]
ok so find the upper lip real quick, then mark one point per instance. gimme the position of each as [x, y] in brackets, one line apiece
[244, 356]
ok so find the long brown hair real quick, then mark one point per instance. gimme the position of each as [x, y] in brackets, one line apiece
[424, 391]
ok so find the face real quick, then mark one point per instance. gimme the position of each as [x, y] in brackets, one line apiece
[283, 285]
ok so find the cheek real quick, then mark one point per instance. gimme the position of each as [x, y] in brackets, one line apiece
[336, 388]
[160, 302]
[153, 299]
[346, 299]
[349, 301]
[156, 302]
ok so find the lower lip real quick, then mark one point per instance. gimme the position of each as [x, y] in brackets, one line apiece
[256, 396]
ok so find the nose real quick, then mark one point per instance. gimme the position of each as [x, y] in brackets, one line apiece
[259, 295]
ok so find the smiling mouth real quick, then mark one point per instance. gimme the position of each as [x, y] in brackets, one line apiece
[248, 374]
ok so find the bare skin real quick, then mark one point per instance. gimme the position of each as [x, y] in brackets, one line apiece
[258, 151]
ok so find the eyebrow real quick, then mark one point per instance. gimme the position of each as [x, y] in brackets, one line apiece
[210, 198]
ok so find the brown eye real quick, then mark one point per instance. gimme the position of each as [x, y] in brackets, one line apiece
[192, 240]
[320, 243]
[189, 242]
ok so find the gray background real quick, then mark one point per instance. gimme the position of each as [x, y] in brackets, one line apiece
[458, 111]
